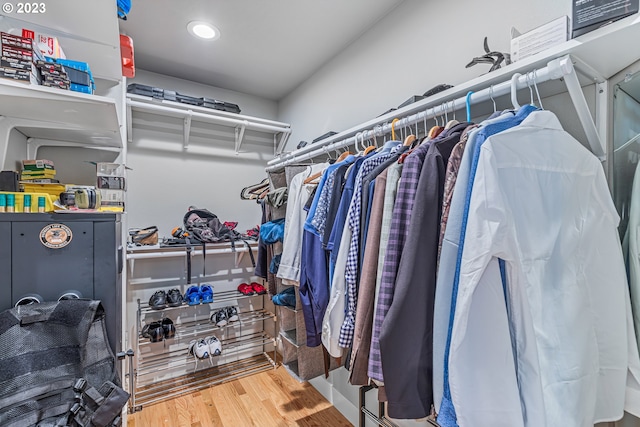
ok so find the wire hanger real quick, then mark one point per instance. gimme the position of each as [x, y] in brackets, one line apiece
[495, 109]
[453, 121]
[535, 85]
[368, 149]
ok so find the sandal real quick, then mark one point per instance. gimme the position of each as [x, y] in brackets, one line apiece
[245, 289]
[258, 288]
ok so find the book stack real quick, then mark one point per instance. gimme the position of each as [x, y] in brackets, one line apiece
[17, 59]
[39, 176]
[41, 171]
[53, 75]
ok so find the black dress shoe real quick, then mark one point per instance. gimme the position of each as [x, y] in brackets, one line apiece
[168, 328]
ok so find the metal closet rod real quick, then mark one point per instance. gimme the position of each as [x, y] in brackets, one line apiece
[556, 69]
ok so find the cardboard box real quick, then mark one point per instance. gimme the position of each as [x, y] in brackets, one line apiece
[37, 164]
[111, 182]
[17, 53]
[15, 41]
[47, 45]
[539, 39]
[589, 15]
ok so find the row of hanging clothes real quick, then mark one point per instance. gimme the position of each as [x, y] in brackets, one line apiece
[475, 275]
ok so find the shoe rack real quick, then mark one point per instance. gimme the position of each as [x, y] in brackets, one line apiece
[165, 369]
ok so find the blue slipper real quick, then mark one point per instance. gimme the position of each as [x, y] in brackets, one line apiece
[193, 296]
[206, 291]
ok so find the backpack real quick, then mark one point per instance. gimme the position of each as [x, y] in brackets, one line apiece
[58, 368]
[205, 227]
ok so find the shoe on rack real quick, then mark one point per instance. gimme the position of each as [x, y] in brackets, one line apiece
[199, 349]
[232, 314]
[215, 346]
[219, 317]
[245, 289]
[168, 328]
[158, 300]
[174, 298]
[206, 293]
[258, 288]
[192, 296]
[154, 331]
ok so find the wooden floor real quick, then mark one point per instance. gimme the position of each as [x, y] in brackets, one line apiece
[268, 399]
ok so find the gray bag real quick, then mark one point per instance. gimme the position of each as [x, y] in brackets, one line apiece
[56, 367]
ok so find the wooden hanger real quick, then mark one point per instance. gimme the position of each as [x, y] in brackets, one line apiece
[343, 156]
[409, 140]
[369, 149]
[435, 131]
[450, 124]
[313, 177]
[251, 192]
[393, 129]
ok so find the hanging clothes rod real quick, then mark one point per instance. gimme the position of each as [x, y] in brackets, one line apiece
[560, 68]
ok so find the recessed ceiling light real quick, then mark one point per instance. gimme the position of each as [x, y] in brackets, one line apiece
[203, 30]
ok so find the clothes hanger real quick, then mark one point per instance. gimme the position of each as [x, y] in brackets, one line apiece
[452, 122]
[495, 109]
[535, 85]
[393, 128]
[368, 149]
[313, 177]
[343, 156]
[409, 140]
[468, 102]
[514, 90]
[435, 130]
[251, 192]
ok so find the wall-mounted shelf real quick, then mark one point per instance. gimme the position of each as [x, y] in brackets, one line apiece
[237, 125]
[49, 116]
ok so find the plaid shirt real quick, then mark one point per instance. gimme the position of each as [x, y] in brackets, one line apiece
[351, 272]
[397, 237]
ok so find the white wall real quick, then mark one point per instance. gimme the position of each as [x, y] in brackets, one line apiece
[165, 179]
[417, 46]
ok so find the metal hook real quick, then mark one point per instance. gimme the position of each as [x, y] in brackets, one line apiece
[492, 100]
[514, 90]
[535, 84]
[424, 119]
[453, 109]
[446, 116]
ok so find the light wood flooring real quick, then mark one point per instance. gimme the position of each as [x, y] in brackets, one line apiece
[268, 399]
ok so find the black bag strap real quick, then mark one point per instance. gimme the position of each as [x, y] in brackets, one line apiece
[250, 250]
[188, 243]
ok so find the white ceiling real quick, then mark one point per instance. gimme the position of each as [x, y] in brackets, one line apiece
[267, 47]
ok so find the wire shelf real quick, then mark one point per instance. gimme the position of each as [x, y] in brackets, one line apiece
[218, 297]
[202, 379]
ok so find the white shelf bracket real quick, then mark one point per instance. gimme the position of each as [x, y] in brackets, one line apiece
[284, 137]
[240, 135]
[129, 124]
[186, 130]
[6, 125]
[564, 67]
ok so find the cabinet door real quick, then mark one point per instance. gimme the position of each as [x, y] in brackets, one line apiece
[38, 269]
[5, 266]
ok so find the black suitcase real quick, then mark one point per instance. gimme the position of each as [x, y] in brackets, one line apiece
[221, 105]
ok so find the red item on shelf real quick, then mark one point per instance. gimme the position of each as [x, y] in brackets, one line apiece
[126, 53]
[245, 289]
[258, 288]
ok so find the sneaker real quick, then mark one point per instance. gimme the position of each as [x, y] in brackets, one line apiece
[232, 314]
[192, 296]
[206, 292]
[215, 346]
[154, 331]
[168, 328]
[219, 317]
[158, 300]
[199, 349]
[174, 298]
[258, 288]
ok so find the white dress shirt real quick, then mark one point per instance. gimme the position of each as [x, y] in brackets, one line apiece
[299, 192]
[540, 202]
[336, 309]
